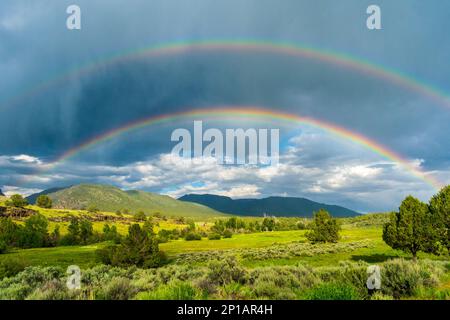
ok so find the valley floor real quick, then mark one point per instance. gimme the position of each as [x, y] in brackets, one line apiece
[374, 251]
[259, 265]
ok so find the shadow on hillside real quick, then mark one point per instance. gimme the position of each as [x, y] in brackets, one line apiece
[374, 258]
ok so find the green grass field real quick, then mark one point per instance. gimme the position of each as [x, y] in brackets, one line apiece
[378, 252]
[84, 256]
[268, 252]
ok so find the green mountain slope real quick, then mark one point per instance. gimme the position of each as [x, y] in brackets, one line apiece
[274, 206]
[109, 198]
[33, 198]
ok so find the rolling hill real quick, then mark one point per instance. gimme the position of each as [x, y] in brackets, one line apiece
[109, 198]
[32, 198]
[273, 206]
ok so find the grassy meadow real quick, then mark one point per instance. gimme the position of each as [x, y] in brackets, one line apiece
[249, 265]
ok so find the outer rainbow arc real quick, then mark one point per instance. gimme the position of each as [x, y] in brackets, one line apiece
[282, 48]
[251, 111]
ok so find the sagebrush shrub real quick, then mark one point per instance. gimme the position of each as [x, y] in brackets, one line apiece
[11, 266]
[400, 277]
[268, 289]
[118, 288]
[51, 290]
[226, 271]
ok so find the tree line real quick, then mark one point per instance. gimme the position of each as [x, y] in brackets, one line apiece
[35, 233]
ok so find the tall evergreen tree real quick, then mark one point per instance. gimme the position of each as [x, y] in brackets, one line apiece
[44, 201]
[440, 219]
[410, 229]
[323, 228]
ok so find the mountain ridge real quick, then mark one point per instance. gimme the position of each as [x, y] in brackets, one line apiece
[273, 206]
[110, 198]
[33, 197]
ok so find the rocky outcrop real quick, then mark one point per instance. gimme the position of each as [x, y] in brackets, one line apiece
[1, 193]
[92, 218]
[16, 213]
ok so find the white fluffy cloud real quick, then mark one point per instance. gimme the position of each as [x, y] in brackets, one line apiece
[10, 190]
[313, 165]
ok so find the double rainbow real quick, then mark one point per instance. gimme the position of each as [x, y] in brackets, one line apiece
[252, 46]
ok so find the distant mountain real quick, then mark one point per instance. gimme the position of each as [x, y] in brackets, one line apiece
[33, 198]
[109, 198]
[273, 206]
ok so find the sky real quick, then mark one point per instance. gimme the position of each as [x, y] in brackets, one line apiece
[42, 118]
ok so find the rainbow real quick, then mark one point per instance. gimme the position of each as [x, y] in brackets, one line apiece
[253, 46]
[249, 112]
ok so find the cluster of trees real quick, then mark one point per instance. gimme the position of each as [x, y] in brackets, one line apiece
[139, 248]
[323, 228]
[225, 228]
[235, 225]
[80, 232]
[16, 200]
[421, 227]
[19, 201]
[32, 234]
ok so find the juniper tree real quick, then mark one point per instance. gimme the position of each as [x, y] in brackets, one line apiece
[323, 228]
[409, 229]
[44, 201]
[440, 219]
[17, 200]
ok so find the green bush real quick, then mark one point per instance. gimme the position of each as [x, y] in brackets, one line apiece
[400, 278]
[139, 248]
[14, 291]
[44, 201]
[11, 266]
[206, 286]
[226, 271]
[348, 273]
[214, 236]
[297, 277]
[227, 234]
[191, 236]
[23, 284]
[140, 216]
